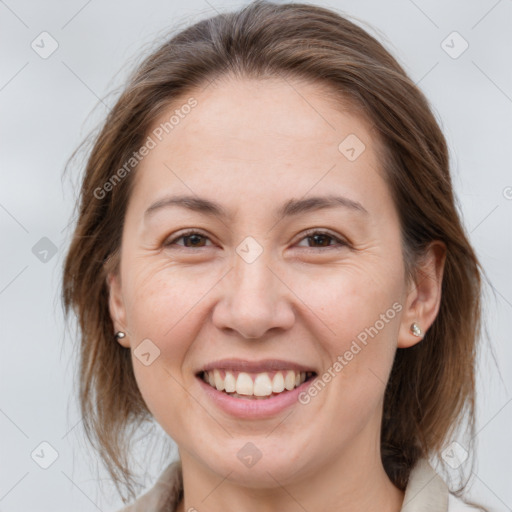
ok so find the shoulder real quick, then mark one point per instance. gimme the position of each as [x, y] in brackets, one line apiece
[163, 496]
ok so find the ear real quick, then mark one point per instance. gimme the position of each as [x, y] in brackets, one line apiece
[423, 295]
[116, 306]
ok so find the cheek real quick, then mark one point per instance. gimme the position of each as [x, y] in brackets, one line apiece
[162, 301]
[360, 305]
[162, 318]
[350, 299]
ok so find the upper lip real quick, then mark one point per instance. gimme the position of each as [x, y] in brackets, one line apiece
[263, 365]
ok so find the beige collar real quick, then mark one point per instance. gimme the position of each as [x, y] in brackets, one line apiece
[425, 492]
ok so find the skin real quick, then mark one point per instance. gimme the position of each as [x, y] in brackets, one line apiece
[252, 145]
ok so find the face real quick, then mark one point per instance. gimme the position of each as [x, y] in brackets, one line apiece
[266, 288]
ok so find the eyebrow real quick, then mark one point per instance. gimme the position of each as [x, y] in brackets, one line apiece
[291, 208]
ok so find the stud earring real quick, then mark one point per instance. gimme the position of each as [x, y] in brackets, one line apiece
[120, 335]
[416, 330]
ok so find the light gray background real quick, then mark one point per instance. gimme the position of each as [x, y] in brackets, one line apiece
[46, 111]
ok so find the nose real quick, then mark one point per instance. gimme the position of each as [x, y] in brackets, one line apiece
[255, 299]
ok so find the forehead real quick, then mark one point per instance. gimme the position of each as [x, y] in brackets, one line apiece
[261, 111]
[250, 135]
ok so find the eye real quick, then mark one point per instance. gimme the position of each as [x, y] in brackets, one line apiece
[191, 239]
[195, 239]
[322, 238]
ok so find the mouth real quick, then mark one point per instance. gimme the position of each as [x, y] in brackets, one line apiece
[252, 385]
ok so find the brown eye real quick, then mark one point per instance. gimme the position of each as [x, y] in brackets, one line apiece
[193, 240]
[190, 239]
[321, 239]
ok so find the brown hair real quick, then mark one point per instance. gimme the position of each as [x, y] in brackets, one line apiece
[431, 389]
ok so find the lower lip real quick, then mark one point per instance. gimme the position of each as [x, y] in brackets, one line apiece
[253, 408]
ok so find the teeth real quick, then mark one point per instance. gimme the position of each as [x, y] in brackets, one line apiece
[289, 380]
[278, 383]
[219, 381]
[262, 385]
[229, 383]
[244, 385]
[258, 385]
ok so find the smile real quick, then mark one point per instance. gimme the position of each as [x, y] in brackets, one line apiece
[254, 390]
[252, 386]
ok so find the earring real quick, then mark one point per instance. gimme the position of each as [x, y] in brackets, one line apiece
[416, 330]
[120, 335]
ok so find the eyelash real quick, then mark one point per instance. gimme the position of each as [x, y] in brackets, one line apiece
[308, 234]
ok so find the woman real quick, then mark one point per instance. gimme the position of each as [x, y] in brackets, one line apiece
[269, 262]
